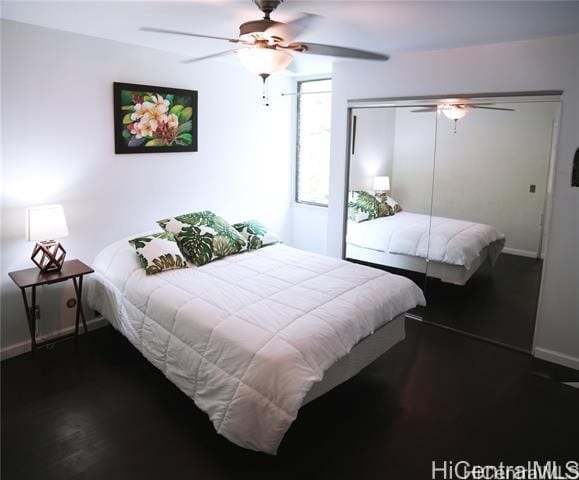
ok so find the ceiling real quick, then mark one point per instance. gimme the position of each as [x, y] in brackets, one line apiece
[383, 26]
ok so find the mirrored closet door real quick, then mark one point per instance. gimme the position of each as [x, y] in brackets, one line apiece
[455, 195]
[490, 196]
[390, 184]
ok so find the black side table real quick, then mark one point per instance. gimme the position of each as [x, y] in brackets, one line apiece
[32, 278]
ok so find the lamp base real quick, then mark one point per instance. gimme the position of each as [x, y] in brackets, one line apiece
[48, 256]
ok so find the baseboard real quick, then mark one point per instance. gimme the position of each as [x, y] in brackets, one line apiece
[556, 357]
[520, 253]
[23, 347]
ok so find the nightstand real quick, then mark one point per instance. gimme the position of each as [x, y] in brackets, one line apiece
[73, 270]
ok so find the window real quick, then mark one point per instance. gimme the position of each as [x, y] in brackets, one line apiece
[313, 142]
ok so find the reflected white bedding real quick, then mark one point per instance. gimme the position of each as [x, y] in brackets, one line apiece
[454, 242]
[247, 336]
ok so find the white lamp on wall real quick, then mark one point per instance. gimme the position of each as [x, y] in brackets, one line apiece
[43, 225]
[381, 184]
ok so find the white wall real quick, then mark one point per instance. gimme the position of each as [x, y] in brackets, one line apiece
[309, 227]
[414, 145]
[57, 118]
[484, 171]
[547, 64]
[374, 146]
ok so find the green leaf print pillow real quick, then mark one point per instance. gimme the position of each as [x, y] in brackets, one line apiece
[256, 234]
[362, 206]
[158, 252]
[387, 205]
[365, 206]
[204, 236]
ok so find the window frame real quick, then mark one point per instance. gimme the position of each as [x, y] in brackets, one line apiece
[297, 144]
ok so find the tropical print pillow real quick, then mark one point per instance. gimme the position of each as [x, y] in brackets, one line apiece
[365, 206]
[255, 233]
[204, 236]
[158, 252]
[362, 206]
[391, 205]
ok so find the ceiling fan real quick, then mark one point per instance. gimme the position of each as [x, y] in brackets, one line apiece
[264, 45]
[455, 109]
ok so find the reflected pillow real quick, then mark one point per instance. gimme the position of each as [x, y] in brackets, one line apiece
[158, 252]
[256, 234]
[362, 206]
[388, 204]
[366, 206]
[204, 236]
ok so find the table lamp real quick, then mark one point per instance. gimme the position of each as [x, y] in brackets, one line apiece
[381, 184]
[43, 225]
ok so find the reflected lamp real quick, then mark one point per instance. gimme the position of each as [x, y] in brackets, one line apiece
[381, 184]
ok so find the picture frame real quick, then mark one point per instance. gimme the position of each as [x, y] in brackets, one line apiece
[153, 119]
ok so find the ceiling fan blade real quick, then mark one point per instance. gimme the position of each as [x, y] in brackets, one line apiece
[206, 57]
[286, 32]
[493, 108]
[427, 109]
[186, 34]
[334, 51]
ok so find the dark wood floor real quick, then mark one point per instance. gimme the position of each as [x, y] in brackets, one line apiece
[100, 411]
[499, 303]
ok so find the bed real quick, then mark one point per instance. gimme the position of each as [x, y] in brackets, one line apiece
[453, 251]
[254, 336]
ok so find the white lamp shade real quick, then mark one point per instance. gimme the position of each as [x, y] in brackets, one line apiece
[45, 223]
[381, 183]
[455, 112]
[263, 61]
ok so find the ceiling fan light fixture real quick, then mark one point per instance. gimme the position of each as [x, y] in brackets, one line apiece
[264, 61]
[454, 112]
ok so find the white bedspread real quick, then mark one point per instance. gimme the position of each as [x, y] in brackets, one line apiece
[248, 335]
[451, 241]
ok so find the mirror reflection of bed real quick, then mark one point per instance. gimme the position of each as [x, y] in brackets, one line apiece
[457, 206]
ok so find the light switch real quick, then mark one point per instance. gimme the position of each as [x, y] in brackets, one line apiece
[532, 188]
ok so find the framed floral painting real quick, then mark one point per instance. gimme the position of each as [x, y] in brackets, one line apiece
[154, 119]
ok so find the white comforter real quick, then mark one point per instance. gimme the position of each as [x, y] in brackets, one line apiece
[451, 241]
[248, 335]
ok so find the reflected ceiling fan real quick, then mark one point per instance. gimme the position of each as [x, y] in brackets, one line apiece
[455, 109]
[264, 45]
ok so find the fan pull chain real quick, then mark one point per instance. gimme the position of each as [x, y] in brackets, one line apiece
[455, 122]
[265, 94]
[265, 89]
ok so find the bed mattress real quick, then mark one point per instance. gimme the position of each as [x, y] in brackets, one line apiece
[246, 337]
[362, 355]
[444, 240]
